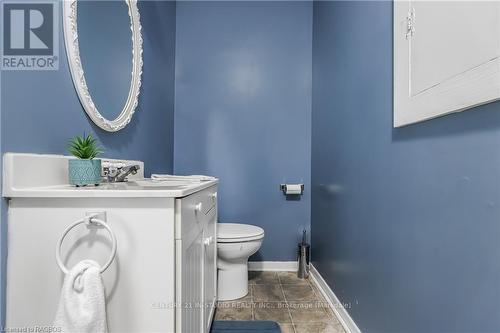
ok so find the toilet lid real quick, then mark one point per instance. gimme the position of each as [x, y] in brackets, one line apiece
[237, 232]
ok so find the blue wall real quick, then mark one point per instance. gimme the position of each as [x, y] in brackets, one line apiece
[40, 110]
[243, 108]
[405, 222]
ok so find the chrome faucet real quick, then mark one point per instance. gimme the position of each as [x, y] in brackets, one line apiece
[127, 170]
[115, 174]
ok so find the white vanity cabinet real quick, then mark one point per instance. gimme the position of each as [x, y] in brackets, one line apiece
[163, 278]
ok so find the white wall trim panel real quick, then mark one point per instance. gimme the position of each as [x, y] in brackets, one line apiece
[446, 57]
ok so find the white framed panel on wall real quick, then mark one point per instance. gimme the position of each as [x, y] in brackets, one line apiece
[446, 57]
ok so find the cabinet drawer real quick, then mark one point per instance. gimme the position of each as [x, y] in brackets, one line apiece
[191, 211]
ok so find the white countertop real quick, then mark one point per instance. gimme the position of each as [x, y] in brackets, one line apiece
[111, 190]
[46, 176]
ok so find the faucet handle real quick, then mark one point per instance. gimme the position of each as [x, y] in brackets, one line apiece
[110, 170]
[127, 170]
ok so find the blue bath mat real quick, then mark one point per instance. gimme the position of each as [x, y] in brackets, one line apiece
[235, 326]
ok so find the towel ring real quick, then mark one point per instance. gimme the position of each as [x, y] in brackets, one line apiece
[88, 221]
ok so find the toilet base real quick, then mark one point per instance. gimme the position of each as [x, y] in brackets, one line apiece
[232, 281]
[232, 268]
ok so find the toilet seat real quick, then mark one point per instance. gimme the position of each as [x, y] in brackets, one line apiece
[237, 232]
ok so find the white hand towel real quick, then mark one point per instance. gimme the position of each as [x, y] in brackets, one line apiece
[82, 306]
[197, 178]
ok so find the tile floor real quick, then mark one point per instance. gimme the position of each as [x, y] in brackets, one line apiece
[296, 304]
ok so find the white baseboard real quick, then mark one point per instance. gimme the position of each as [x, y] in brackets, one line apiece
[276, 266]
[337, 307]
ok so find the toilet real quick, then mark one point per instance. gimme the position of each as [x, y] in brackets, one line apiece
[235, 244]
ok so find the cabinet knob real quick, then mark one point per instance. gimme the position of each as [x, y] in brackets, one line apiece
[198, 207]
[208, 241]
[214, 195]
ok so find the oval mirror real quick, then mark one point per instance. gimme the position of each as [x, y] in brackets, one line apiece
[105, 59]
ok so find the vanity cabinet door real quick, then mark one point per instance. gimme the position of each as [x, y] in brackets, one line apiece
[210, 268]
[190, 283]
[196, 259]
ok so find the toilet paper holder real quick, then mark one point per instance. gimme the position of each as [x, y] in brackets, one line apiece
[283, 187]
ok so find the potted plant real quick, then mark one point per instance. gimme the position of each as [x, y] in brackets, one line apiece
[85, 169]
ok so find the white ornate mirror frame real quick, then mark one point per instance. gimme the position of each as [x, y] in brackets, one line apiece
[78, 75]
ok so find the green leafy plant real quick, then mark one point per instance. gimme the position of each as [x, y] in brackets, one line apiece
[84, 147]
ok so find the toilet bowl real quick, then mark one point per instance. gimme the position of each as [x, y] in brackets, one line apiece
[235, 244]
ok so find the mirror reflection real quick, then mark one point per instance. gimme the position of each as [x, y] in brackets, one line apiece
[105, 41]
